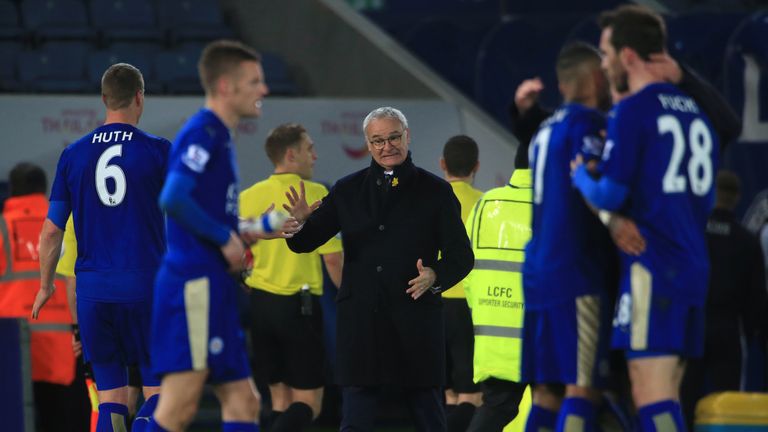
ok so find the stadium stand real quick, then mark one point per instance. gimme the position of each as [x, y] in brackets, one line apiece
[56, 20]
[58, 67]
[278, 77]
[9, 52]
[192, 20]
[119, 20]
[10, 25]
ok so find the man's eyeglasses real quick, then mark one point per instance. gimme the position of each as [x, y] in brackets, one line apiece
[379, 143]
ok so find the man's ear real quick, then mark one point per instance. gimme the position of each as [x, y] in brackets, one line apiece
[223, 85]
[442, 164]
[628, 56]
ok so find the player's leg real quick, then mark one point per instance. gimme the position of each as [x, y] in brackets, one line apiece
[181, 393]
[460, 340]
[538, 365]
[144, 414]
[656, 331]
[101, 347]
[230, 371]
[239, 405]
[655, 390]
[136, 334]
[544, 408]
[301, 342]
[181, 344]
[587, 324]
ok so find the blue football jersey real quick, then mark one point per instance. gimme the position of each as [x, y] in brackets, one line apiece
[204, 151]
[662, 147]
[569, 249]
[111, 179]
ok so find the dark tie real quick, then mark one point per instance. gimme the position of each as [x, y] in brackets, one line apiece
[387, 180]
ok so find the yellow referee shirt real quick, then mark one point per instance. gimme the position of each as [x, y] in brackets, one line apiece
[276, 269]
[66, 265]
[468, 197]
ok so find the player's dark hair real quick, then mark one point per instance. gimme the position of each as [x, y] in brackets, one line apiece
[119, 85]
[25, 179]
[460, 155]
[281, 138]
[727, 189]
[636, 27]
[222, 57]
[572, 57]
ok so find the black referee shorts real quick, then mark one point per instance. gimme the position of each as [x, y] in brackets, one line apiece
[287, 346]
[460, 346]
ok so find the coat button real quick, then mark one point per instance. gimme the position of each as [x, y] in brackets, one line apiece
[378, 182]
[379, 268]
[381, 227]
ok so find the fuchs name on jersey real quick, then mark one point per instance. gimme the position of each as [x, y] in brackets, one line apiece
[678, 103]
[110, 136]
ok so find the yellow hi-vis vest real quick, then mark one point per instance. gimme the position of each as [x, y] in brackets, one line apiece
[499, 227]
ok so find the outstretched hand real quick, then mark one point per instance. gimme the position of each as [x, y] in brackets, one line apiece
[43, 295]
[421, 283]
[298, 206]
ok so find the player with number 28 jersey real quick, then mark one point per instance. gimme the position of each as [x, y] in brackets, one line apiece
[661, 149]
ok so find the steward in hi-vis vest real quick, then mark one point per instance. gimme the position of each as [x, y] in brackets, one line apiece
[53, 360]
[499, 227]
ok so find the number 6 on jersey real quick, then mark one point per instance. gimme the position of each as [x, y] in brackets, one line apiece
[106, 171]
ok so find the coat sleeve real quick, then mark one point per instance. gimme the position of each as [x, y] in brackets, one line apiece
[456, 257]
[322, 224]
[724, 119]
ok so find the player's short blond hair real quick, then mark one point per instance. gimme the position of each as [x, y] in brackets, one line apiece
[120, 84]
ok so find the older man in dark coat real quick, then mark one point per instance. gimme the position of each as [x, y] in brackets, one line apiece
[404, 242]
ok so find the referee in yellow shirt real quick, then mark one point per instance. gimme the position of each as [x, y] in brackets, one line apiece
[459, 164]
[286, 329]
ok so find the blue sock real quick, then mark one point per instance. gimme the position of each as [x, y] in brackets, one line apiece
[664, 416]
[112, 417]
[540, 420]
[577, 415]
[239, 427]
[154, 427]
[141, 422]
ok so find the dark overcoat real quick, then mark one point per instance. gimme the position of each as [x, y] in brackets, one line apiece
[383, 335]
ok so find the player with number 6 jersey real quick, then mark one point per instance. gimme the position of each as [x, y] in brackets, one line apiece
[110, 181]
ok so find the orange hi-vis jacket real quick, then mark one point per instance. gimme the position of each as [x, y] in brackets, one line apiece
[53, 360]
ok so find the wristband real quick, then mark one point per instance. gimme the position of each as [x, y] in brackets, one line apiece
[605, 216]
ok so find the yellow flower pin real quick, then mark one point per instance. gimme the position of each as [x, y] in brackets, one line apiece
[394, 182]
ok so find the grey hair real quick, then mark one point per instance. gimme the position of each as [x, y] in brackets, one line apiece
[385, 112]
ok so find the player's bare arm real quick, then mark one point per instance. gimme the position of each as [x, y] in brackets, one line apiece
[50, 250]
